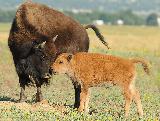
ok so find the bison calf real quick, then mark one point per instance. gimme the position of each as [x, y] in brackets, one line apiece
[88, 70]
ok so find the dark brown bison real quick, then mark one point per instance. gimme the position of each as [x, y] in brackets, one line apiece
[37, 36]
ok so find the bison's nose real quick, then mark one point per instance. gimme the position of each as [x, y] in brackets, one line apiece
[46, 76]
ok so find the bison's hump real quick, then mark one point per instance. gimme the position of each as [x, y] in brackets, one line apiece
[43, 19]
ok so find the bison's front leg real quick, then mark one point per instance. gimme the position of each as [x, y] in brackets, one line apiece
[22, 85]
[77, 89]
[39, 96]
[22, 95]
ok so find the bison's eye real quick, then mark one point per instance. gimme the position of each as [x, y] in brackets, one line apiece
[60, 62]
[43, 58]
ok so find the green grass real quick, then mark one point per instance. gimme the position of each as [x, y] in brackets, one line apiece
[106, 104]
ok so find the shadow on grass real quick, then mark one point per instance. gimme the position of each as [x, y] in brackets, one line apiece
[70, 106]
[5, 98]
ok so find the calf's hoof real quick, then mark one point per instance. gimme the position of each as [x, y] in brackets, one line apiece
[141, 114]
[86, 111]
[80, 110]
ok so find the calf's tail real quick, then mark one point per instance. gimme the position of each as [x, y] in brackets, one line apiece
[99, 35]
[144, 63]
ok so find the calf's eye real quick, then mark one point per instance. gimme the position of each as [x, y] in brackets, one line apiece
[60, 62]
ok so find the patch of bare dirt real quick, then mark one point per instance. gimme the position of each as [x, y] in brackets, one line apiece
[42, 106]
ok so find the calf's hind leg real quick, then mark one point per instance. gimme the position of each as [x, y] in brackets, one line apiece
[137, 99]
[128, 100]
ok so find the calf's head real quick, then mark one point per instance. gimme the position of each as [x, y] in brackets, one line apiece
[42, 57]
[62, 64]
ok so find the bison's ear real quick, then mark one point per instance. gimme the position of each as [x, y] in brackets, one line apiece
[69, 57]
[54, 39]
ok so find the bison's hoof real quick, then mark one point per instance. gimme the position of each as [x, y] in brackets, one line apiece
[22, 100]
[39, 97]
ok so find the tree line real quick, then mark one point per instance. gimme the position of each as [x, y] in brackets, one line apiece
[127, 16]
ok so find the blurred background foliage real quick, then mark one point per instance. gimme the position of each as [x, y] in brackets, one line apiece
[131, 12]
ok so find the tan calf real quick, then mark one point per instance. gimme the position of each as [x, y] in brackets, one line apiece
[88, 70]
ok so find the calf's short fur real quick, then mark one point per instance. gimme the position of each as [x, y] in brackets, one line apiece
[89, 70]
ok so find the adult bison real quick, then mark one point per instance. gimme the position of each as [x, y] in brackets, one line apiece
[37, 36]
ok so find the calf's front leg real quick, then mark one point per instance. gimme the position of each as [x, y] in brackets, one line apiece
[86, 108]
[84, 99]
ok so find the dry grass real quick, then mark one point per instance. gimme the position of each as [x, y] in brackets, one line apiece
[4, 31]
[128, 38]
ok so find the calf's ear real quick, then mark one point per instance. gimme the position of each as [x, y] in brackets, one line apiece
[69, 57]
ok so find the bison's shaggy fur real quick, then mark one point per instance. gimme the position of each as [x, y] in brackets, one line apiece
[32, 46]
[89, 70]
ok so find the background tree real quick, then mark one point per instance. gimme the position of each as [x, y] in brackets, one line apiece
[152, 20]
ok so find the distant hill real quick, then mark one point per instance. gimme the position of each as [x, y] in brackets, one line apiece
[139, 6]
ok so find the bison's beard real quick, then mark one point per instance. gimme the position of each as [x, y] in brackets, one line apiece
[34, 76]
[26, 68]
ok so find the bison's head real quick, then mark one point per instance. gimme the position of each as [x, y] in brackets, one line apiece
[43, 55]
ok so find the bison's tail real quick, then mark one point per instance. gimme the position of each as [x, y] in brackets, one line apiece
[144, 63]
[99, 35]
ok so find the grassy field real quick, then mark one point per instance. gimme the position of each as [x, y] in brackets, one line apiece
[105, 103]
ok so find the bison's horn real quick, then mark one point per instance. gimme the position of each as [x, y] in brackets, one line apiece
[54, 39]
[42, 44]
